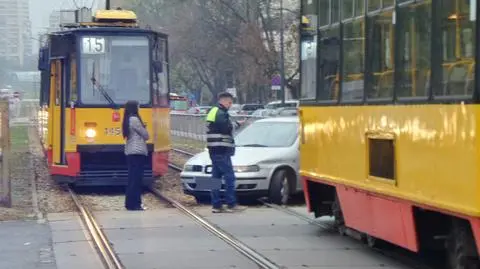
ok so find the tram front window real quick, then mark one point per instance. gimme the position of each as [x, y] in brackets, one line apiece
[119, 65]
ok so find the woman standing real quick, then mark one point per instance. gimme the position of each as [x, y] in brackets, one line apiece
[136, 151]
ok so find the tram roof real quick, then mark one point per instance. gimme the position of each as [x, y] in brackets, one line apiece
[106, 29]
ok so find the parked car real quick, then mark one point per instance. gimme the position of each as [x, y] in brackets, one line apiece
[285, 111]
[265, 162]
[262, 113]
[198, 109]
[235, 109]
[278, 104]
[248, 109]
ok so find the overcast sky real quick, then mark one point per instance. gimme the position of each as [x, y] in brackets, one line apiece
[40, 12]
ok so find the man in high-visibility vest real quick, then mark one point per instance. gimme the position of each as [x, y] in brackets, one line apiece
[221, 146]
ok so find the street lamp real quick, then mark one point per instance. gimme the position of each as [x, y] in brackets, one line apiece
[282, 56]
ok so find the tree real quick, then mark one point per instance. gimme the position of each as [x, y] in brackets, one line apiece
[212, 38]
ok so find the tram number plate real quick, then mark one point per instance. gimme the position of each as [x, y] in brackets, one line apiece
[113, 131]
[93, 45]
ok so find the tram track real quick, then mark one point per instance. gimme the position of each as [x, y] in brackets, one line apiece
[253, 255]
[397, 254]
[102, 245]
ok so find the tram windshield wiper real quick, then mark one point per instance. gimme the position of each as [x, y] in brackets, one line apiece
[101, 89]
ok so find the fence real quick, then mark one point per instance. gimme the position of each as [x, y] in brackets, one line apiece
[193, 126]
[5, 186]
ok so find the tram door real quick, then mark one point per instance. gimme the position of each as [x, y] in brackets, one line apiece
[58, 116]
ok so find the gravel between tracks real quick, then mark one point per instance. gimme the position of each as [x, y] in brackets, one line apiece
[187, 144]
[178, 159]
[52, 198]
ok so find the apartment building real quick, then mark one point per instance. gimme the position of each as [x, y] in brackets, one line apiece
[54, 21]
[15, 31]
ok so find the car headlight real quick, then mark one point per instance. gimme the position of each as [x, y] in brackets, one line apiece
[246, 169]
[188, 168]
[90, 133]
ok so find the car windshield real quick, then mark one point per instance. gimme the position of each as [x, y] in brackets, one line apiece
[267, 134]
[119, 65]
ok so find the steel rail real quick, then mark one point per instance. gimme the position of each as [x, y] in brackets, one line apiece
[409, 261]
[183, 152]
[175, 167]
[245, 250]
[105, 251]
[295, 213]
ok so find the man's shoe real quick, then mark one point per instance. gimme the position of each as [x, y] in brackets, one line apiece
[235, 209]
[218, 210]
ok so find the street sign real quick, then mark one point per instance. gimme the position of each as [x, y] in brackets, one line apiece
[276, 83]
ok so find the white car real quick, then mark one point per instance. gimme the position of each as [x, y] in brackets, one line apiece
[266, 162]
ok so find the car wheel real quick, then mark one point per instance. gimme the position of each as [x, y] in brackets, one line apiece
[279, 192]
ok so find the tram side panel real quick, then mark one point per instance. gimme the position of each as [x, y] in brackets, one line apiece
[396, 171]
[161, 140]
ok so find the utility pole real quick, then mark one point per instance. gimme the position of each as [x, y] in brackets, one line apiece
[107, 4]
[282, 56]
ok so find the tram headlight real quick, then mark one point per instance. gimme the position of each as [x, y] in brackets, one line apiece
[90, 133]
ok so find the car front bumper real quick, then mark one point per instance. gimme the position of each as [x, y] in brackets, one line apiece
[245, 183]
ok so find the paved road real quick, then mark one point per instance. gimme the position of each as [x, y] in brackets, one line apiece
[292, 242]
[72, 244]
[25, 245]
[165, 238]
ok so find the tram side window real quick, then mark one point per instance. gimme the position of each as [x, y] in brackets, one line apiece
[347, 9]
[309, 68]
[329, 63]
[335, 11]
[414, 49]
[160, 76]
[308, 51]
[388, 3]
[323, 12]
[374, 5]
[380, 46]
[353, 60]
[359, 8]
[73, 95]
[58, 81]
[458, 46]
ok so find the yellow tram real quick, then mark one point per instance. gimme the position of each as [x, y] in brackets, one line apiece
[89, 70]
[389, 116]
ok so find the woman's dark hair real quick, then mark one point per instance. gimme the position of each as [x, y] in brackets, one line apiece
[131, 109]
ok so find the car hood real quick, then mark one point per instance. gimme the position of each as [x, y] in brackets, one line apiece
[248, 156]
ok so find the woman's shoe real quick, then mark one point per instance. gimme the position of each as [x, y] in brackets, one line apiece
[141, 208]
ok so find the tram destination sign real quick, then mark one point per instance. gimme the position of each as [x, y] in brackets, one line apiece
[93, 45]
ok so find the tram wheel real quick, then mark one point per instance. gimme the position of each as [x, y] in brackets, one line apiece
[338, 214]
[461, 248]
[374, 242]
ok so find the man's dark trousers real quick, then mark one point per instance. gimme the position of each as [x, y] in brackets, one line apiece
[222, 167]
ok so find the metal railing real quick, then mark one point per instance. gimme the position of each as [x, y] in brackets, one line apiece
[5, 183]
[193, 126]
